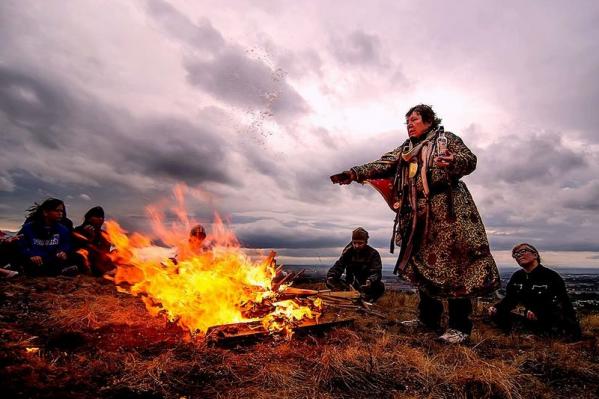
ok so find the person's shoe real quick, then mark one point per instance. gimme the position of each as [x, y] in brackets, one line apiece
[415, 323]
[453, 336]
[70, 271]
[11, 274]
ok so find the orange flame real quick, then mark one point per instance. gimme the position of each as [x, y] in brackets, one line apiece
[200, 287]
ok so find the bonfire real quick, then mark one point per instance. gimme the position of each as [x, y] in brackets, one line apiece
[216, 285]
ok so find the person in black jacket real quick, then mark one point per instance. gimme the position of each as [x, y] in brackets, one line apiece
[92, 248]
[542, 292]
[362, 267]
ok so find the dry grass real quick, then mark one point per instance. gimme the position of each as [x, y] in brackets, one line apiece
[95, 342]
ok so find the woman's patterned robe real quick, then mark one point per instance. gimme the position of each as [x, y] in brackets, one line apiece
[449, 254]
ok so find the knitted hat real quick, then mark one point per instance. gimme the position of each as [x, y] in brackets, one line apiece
[529, 247]
[359, 234]
[197, 231]
[95, 211]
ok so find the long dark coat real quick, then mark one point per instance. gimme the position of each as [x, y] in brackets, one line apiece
[449, 255]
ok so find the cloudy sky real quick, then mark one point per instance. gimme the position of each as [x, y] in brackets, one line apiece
[253, 104]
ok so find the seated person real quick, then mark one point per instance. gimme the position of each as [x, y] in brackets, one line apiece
[8, 254]
[543, 294]
[196, 245]
[362, 266]
[5, 273]
[92, 248]
[45, 244]
[197, 239]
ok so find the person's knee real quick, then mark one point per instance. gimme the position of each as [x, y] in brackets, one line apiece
[375, 291]
[503, 320]
[335, 284]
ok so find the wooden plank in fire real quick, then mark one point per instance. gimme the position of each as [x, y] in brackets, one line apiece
[352, 295]
[235, 332]
[292, 292]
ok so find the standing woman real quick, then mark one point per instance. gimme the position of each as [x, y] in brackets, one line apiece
[444, 247]
[46, 243]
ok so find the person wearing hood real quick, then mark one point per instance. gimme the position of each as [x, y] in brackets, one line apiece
[362, 267]
[444, 249]
[91, 245]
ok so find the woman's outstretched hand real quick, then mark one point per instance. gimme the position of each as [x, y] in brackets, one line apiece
[345, 177]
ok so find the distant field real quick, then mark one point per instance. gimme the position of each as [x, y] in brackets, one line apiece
[582, 283]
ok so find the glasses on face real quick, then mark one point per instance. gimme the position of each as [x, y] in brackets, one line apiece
[521, 252]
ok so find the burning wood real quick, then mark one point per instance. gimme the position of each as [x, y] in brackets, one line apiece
[208, 286]
[211, 287]
[239, 331]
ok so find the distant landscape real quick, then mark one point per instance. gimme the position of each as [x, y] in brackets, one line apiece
[582, 283]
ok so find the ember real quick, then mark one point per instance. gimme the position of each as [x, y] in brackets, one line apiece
[218, 284]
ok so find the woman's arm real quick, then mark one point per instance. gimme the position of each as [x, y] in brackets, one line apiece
[383, 167]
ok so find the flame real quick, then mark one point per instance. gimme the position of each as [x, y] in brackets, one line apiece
[201, 287]
[286, 313]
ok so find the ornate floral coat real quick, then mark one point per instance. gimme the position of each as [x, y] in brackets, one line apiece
[444, 247]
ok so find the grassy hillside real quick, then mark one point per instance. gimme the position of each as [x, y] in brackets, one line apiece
[79, 338]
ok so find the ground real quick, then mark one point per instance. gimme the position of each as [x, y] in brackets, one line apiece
[80, 338]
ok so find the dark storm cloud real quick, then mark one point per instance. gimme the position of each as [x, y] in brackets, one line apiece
[105, 136]
[311, 178]
[235, 78]
[201, 35]
[178, 150]
[529, 157]
[538, 188]
[260, 160]
[228, 73]
[563, 239]
[358, 48]
[325, 244]
[34, 105]
[270, 240]
[298, 64]
[116, 199]
[586, 198]
[553, 227]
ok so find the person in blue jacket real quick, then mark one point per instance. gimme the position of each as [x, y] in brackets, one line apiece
[46, 243]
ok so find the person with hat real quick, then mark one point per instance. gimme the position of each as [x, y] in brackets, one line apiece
[362, 267]
[542, 293]
[197, 239]
[92, 248]
[444, 249]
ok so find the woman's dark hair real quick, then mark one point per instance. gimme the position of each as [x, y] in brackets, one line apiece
[36, 212]
[427, 114]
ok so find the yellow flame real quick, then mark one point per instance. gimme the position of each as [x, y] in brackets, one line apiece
[200, 288]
